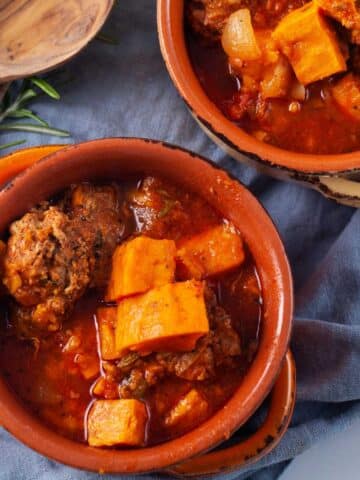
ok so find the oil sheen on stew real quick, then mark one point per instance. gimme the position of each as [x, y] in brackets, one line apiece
[285, 71]
[130, 312]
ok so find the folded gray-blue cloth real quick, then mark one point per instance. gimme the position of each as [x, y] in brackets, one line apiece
[124, 90]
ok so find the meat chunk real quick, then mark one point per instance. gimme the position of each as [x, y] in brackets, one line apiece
[95, 211]
[208, 17]
[345, 12]
[54, 253]
[161, 210]
[197, 365]
[47, 267]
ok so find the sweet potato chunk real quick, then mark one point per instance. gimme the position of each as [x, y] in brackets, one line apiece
[210, 253]
[106, 320]
[117, 422]
[169, 318]
[346, 93]
[189, 410]
[140, 265]
[311, 45]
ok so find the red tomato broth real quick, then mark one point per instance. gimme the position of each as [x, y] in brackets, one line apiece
[55, 377]
[319, 126]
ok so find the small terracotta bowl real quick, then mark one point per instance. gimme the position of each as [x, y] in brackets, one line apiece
[114, 159]
[326, 173]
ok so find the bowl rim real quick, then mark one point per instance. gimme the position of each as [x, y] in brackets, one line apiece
[170, 23]
[273, 344]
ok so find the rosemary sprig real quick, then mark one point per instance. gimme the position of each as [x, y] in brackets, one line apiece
[30, 127]
[12, 144]
[15, 102]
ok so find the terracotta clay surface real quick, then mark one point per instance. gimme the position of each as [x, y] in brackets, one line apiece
[235, 141]
[114, 159]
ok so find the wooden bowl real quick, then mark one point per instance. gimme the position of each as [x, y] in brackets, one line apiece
[113, 159]
[321, 172]
[38, 35]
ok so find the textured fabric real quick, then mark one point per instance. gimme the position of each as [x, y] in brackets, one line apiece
[124, 90]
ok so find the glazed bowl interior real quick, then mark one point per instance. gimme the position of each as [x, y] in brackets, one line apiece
[221, 129]
[114, 159]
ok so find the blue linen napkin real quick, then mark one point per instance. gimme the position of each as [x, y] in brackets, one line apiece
[124, 90]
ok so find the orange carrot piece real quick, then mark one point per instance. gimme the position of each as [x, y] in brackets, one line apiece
[168, 318]
[140, 265]
[210, 253]
[117, 422]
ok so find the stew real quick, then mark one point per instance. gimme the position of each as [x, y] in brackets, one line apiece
[130, 311]
[285, 71]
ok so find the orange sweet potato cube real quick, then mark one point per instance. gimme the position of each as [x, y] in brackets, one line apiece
[106, 321]
[346, 93]
[168, 318]
[117, 422]
[210, 253]
[189, 410]
[310, 43]
[140, 265]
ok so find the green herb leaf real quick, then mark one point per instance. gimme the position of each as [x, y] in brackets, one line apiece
[12, 144]
[46, 87]
[25, 113]
[29, 127]
[25, 96]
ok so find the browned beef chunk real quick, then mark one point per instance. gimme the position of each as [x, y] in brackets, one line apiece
[47, 267]
[53, 256]
[346, 12]
[208, 17]
[96, 213]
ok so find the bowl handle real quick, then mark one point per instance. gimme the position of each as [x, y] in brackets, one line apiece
[14, 163]
[261, 442]
[341, 189]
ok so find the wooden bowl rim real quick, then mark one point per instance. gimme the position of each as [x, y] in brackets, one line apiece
[59, 59]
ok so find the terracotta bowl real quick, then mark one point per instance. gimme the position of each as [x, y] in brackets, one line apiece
[114, 159]
[316, 171]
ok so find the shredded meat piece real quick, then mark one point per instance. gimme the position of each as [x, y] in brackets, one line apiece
[345, 12]
[53, 256]
[95, 212]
